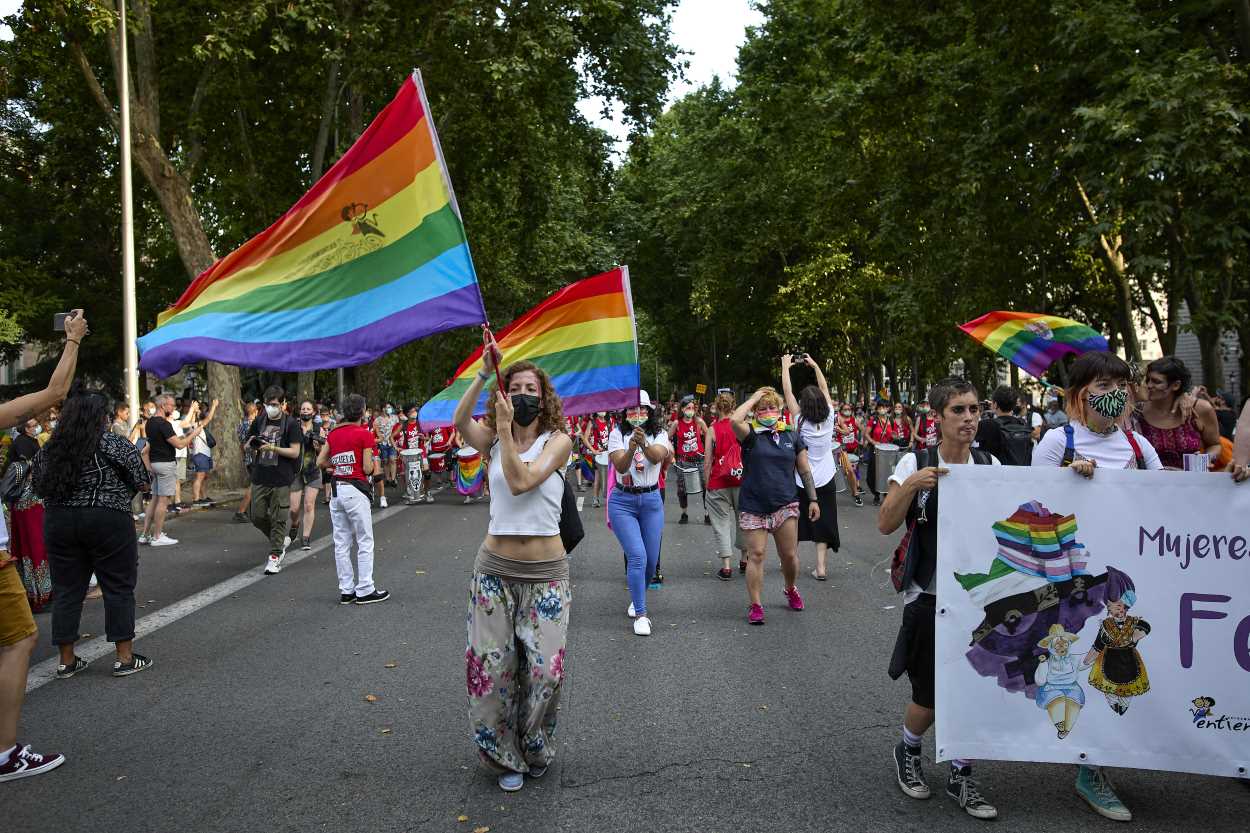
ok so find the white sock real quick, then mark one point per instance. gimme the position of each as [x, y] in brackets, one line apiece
[8, 753]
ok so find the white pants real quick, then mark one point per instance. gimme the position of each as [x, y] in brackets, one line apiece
[352, 520]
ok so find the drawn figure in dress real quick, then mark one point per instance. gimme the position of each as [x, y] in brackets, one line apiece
[1117, 668]
[1202, 707]
[1058, 691]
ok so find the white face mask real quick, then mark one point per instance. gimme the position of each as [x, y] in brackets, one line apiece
[273, 411]
[176, 415]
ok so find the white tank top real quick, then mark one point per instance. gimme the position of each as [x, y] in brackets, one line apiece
[537, 512]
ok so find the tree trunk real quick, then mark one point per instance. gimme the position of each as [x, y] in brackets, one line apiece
[1117, 269]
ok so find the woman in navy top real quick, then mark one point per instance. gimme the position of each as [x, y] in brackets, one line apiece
[771, 454]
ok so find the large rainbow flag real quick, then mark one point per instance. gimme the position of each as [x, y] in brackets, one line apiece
[583, 336]
[1032, 341]
[374, 256]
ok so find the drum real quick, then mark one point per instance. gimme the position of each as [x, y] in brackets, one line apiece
[438, 462]
[839, 479]
[470, 473]
[887, 458]
[601, 459]
[412, 458]
[691, 476]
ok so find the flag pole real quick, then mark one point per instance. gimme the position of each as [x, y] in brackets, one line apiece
[130, 333]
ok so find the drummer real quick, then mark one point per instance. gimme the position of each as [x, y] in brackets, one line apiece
[686, 434]
[411, 437]
[595, 437]
[442, 448]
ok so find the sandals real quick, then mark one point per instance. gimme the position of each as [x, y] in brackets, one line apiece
[724, 574]
[818, 576]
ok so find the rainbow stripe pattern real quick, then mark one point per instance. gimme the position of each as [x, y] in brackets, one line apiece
[583, 336]
[470, 475]
[1032, 341]
[372, 257]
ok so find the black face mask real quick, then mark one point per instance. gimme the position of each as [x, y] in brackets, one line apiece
[525, 407]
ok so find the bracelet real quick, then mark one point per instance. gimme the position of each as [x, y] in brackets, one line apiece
[482, 375]
[72, 341]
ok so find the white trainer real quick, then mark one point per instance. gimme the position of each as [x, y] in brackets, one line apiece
[163, 541]
[274, 565]
[642, 626]
[630, 612]
[382, 501]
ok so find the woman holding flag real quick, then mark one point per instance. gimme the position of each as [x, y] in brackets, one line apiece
[519, 593]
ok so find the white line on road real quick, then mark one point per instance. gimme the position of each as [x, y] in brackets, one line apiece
[581, 501]
[97, 647]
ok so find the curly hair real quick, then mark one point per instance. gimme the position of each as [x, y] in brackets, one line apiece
[725, 404]
[769, 398]
[84, 419]
[551, 410]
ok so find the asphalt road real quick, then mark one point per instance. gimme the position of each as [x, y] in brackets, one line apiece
[255, 716]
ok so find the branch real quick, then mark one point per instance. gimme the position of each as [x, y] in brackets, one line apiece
[1109, 252]
[145, 64]
[93, 85]
[195, 147]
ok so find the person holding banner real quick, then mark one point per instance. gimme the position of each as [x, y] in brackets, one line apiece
[1240, 467]
[519, 597]
[913, 497]
[1097, 397]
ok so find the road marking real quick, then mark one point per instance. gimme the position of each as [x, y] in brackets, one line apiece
[581, 501]
[97, 647]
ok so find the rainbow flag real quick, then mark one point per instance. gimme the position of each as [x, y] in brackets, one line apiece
[583, 336]
[1032, 341]
[374, 256]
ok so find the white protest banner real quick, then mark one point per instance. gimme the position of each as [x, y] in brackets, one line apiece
[1102, 621]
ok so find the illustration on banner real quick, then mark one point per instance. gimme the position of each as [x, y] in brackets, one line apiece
[1037, 597]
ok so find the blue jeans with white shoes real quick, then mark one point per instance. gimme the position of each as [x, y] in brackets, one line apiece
[638, 521]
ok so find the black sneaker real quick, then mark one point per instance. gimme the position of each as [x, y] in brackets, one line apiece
[375, 596]
[64, 672]
[202, 502]
[707, 520]
[859, 501]
[876, 500]
[305, 543]
[908, 771]
[347, 598]
[684, 519]
[137, 663]
[240, 518]
[962, 788]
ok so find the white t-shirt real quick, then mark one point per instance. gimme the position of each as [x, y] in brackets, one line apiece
[1111, 451]
[818, 436]
[649, 473]
[177, 426]
[199, 445]
[906, 468]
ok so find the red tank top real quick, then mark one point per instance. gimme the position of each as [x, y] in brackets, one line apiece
[726, 470]
[927, 432]
[440, 440]
[689, 443]
[601, 430]
[881, 430]
[1173, 443]
[848, 435]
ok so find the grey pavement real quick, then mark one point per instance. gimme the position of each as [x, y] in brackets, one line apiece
[255, 716]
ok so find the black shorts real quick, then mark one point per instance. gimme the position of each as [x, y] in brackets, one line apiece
[915, 649]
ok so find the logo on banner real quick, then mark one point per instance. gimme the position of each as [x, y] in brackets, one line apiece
[1203, 712]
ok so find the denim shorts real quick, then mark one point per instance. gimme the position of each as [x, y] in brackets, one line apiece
[201, 462]
[387, 452]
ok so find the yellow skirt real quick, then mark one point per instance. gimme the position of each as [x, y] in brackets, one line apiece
[1139, 685]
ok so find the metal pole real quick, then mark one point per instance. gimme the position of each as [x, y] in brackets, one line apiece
[340, 401]
[130, 332]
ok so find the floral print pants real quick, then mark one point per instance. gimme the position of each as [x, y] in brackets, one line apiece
[514, 666]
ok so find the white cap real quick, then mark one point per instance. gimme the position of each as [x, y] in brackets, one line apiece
[644, 401]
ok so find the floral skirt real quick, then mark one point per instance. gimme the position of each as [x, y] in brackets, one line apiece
[26, 545]
[514, 667]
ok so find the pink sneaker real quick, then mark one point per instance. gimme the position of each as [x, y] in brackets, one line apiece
[792, 596]
[756, 615]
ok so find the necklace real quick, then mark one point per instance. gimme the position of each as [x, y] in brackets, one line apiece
[1104, 432]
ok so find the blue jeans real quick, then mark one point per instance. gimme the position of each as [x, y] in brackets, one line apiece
[638, 521]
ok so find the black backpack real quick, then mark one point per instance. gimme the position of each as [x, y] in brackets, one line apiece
[1017, 441]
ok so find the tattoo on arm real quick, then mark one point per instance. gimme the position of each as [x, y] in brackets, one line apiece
[809, 485]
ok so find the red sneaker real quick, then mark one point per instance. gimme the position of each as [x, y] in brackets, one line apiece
[793, 597]
[23, 763]
[755, 616]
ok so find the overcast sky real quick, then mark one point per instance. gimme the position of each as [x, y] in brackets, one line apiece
[710, 30]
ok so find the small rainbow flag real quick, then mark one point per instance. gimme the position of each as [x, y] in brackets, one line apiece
[1032, 341]
[583, 336]
[374, 256]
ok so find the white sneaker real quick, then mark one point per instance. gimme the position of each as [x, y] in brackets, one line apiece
[274, 565]
[630, 611]
[163, 541]
[642, 626]
[467, 500]
[382, 502]
[429, 498]
[144, 540]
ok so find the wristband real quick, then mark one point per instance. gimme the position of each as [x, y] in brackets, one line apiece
[74, 341]
[482, 375]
